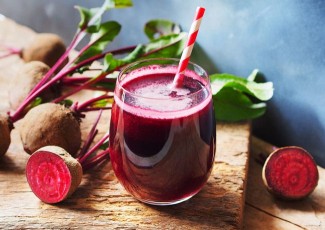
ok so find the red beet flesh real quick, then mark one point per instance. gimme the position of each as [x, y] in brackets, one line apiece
[51, 177]
[290, 173]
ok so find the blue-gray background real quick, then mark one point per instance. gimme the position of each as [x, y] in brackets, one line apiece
[284, 39]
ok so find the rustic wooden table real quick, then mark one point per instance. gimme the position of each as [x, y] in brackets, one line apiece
[101, 201]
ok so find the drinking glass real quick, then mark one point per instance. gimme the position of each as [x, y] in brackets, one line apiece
[162, 137]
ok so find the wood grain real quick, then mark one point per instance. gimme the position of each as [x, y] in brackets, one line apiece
[100, 201]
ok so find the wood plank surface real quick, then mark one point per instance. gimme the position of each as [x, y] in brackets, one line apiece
[100, 201]
[263, 211]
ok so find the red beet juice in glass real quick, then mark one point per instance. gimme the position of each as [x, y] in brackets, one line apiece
[162, 139]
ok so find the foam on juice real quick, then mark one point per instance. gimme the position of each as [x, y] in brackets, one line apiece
[155, 92]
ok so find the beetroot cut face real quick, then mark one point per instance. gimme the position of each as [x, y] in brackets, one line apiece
[290, 173]
[49, 176]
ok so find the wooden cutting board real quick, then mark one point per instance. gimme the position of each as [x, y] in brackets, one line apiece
[100, 201]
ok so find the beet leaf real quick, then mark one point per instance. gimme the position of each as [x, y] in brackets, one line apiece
[236, 98]
[99, 40]
[232, 105]
[166, 46]
[160, 27]
[90, 18]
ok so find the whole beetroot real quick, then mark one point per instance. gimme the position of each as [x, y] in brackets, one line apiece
[5, 129]
[51, 124]
[45, 47]
[26, 79]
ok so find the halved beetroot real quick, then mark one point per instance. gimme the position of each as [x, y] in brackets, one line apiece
[290, 173]
[52, 174]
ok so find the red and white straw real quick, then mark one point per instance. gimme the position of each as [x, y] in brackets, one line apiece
[178, 80]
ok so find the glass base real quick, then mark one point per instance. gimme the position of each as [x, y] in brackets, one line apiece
[165, 203]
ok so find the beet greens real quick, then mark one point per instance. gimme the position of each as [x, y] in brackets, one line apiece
[99, 35]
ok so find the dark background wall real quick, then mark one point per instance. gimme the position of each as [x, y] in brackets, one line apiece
[284, 39]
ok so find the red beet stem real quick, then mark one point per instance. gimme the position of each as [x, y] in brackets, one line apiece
[9, 50]
[77, 38]
[96, 109]
[94, 148]
[96, 160]
[84, 157]
[81, 87]
[6, 55]
[67, 81]
[91, 136]
[88, 142]
[84, 105]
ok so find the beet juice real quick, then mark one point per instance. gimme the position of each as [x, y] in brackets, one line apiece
[162, 138]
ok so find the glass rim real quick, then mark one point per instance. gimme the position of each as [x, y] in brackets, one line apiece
[206, 83]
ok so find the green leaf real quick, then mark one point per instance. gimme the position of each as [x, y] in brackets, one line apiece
[160, 27]
[91, 18]
[104, 146]
[253, 75]
[102, 103]
[107, 85]
[106, 33]
[82, 69]
[119, 4]
[262, 91]
[111, 63]
[233, 96]
[86, 15]
[33, 104]
[94, 28]
[232, 105]
[88, 53]
[36, 102]
[166, 46]
[66, 102]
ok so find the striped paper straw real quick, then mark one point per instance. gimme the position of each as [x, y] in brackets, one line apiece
[178, 80]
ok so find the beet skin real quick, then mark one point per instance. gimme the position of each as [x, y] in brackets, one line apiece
[50, 124]
[5, 129]
[45, 47]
